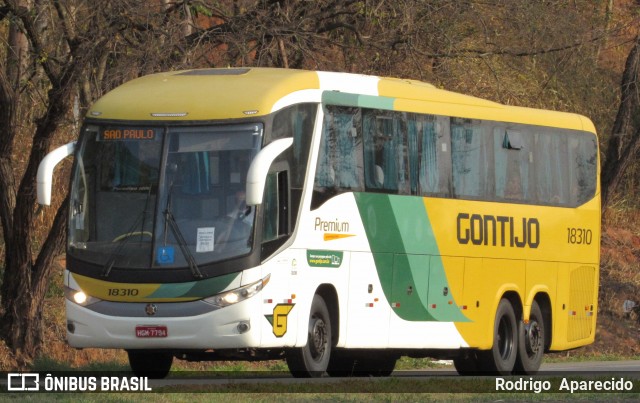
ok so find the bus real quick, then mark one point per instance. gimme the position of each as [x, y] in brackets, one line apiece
[336, 221]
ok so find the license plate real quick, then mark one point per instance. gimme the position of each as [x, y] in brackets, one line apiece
[151, 331]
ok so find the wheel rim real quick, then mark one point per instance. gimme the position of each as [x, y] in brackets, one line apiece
[317, 338]
[533, 338]
[505, 338]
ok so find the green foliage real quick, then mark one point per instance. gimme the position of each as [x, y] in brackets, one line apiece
[56, 286]
[201, 10]
[405, 363]
[44, 363]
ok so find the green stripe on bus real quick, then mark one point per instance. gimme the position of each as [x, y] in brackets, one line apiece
[193, 289]
[414, 226]
[407, 259]
[363, 101]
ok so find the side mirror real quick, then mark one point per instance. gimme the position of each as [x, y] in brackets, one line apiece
[45, 171]
[257, 175]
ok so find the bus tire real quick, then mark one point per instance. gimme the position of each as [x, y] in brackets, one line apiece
[500, 360]
[150, 364]
[467, 363]
[312, 360]
[341, 364]
[531, 338]
[375, 363]
[375, 366]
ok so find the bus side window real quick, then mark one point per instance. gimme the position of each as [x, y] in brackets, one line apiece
[385, 152]
[426, 166]
[583, 161]
[339, 166]
[275, 207]
[512, 158]
[550, 168]
[470, 155]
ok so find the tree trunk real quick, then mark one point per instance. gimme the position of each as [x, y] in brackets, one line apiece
[624, 142]
[7, 182]
[22, 320]
[25, 281]
[10, 77]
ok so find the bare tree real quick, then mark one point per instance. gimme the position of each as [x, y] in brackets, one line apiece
[25, 280]
[60, 53]
[624, 141]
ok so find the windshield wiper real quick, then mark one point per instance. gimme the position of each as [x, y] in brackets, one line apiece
[127, 235]
[168, 217]
[170, 221]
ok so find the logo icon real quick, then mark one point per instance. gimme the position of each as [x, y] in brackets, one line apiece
[165, 255]
[23, 382]
[279, 318]
[151, 309]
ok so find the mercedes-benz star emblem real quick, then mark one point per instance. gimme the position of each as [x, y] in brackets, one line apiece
[151, 309]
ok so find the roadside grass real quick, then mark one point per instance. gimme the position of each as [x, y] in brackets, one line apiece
[45, 363]
[309, 397]
[563, 357]
[251, 388]
[365, 390]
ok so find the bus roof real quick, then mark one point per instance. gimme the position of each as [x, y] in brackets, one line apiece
[212, 94]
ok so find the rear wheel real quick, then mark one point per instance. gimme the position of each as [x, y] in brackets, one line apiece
[151, 364]
[312, 360]
[531, 338]
[502, 356]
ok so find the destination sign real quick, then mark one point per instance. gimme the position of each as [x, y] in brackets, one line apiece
[130, 133]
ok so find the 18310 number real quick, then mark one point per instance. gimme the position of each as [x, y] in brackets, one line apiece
[579, 236]
[123, 292]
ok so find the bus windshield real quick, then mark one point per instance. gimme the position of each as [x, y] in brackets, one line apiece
[150, 197]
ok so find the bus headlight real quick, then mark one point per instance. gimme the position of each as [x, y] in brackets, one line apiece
[79, 297]
[239, 294]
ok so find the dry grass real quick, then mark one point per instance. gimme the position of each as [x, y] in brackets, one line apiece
[620, 260]
[55, 349]
[618, 333]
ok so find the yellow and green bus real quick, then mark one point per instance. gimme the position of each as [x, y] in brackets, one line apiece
[338, 221]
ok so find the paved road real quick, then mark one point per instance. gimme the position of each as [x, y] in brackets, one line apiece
[610, 366]
[627, 369]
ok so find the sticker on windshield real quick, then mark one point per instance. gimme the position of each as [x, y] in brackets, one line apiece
[205, 239]
[165, 255]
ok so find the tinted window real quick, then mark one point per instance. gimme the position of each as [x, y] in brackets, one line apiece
[385, 152]
[420, 154]
[339, 168]
[470, 159]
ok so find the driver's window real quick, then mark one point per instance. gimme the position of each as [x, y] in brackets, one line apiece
[270, 227]
[276, 206]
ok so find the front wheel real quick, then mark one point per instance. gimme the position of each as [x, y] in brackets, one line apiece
[312, 360]
[467, 363]
[378, 365]
[375, 363]
[151, 364]
[341, 364]
[531, 337]
[501, 358]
